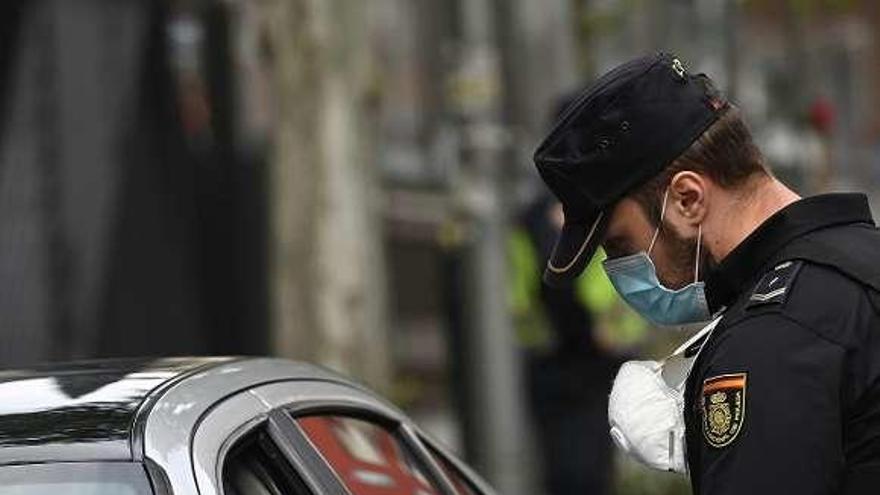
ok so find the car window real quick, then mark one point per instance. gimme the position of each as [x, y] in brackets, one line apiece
[459, 481]
[105, 478]
[255, 466]
[368, 458]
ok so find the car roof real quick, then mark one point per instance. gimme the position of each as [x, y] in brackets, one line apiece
[91, 410]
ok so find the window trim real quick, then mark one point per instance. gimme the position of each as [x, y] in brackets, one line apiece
[278, 403]
[412, 437]
[265, 429]
[216, 433]
[395, 423]
[476, 481]
[303, 455]
[231, 441]
[222, 428]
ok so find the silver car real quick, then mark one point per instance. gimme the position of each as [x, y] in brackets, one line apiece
[234, 426]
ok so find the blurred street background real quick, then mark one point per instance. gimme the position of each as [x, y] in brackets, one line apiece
[349, 182]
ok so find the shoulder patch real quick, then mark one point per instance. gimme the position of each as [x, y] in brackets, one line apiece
[723, 404]
[775, 284]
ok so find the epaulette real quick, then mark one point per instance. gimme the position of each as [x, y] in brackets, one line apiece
[775, 284]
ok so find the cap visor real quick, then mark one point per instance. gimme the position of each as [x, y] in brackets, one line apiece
[574, 249]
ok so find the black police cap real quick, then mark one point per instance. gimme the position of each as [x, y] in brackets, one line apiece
[622, 130]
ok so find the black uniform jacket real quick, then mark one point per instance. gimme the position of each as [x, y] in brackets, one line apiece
[785, 397]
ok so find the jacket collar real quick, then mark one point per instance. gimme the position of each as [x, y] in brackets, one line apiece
[739, 270]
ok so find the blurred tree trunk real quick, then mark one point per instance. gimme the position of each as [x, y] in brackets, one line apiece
[327, 268]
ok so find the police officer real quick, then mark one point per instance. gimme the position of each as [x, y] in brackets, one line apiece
[784, 397]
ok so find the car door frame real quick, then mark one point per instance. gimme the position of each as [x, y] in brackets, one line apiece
[276, 405]
[476, 481]
[351, 401]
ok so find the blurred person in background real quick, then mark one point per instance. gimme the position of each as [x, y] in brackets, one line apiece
[568, 364]
[567, 374]
[655, 165]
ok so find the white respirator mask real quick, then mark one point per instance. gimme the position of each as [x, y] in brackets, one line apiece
[646, 407]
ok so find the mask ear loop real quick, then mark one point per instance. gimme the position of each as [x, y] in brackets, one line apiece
[660, 223]
[697, 262]
[702, 345]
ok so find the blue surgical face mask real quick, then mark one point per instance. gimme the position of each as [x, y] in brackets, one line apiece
[635, 279]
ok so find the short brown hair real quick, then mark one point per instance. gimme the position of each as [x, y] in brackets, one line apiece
[725, 152]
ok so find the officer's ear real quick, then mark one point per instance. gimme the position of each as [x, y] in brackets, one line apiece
[687, 197]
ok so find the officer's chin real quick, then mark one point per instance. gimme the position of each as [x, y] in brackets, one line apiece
[676, 281]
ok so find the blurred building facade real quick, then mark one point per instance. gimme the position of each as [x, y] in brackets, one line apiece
[121, 199]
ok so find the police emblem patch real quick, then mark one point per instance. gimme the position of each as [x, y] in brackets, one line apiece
[724, 408]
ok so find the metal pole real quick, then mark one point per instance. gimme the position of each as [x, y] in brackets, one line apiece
[731, 47]
[495, 380]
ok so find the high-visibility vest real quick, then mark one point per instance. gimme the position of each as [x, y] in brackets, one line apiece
[616, 325]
